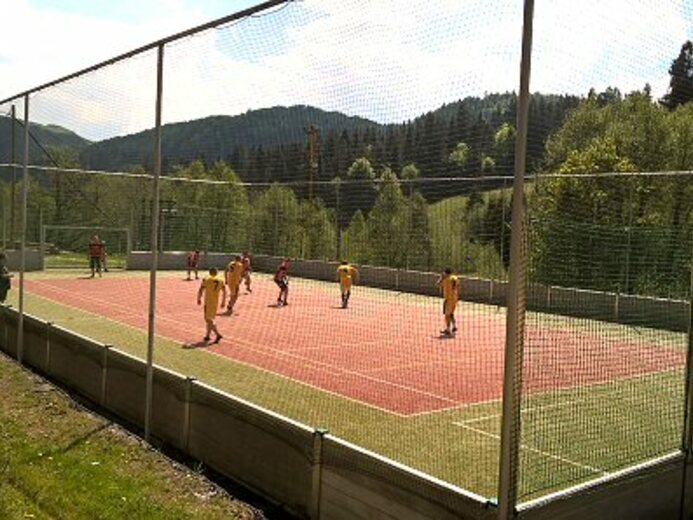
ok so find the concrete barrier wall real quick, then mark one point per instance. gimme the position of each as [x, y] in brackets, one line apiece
[176, 260]
[170, 405]
[357, 484]
[76, 361]
[653, 491]
[33, 260]
[35, 343]
[654, 312]
[125, 386]
[261, 449]
[9, 318]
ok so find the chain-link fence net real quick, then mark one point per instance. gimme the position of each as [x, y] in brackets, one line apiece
[373, 134]
[610, 236]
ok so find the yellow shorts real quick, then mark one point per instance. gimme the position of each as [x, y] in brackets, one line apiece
[345, 286]
[210, 312]
[233, 289]
[449, 306]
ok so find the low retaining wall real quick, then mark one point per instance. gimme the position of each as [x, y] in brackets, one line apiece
[176, 260]
[652, 490]
[313, 475]
[33, 260]
[580, 303]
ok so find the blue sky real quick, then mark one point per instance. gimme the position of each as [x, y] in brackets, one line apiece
[389, 60]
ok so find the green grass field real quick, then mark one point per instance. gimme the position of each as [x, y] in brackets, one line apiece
[59, 461]
[568, 435]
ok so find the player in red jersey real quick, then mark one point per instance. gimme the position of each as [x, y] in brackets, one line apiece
[96, 254]
[193, 262]
[281, 278]
[245, 260]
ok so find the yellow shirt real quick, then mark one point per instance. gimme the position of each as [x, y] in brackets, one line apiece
[213, 286]
[450, 285]
[346, 273]
[235, 273]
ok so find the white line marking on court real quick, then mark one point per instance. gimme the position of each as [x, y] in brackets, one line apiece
[534, 450]
[265, 350]
[277, 353]
[139, 330]
[523, 410]
[463, 406]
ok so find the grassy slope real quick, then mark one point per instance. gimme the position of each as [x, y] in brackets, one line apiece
[565, 433]
[57, 461]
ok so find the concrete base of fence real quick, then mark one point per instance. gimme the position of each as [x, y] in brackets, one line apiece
[650, 491]
[33, 260]
[176, 260]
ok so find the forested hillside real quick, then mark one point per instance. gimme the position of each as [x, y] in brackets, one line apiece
[45, 135]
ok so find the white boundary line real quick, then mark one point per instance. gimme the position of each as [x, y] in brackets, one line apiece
[270, 350]
[583, 387]
[522, 410]
[125, 311]
[277, 353]
[535, 450]
[139, 330]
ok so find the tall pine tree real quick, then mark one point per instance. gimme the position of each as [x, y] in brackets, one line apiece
[681, 83]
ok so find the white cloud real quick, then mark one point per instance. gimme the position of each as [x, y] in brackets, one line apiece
[387, 59]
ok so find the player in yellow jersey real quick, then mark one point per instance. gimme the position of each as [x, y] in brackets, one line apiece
[211, 287]
[449, 285]
[234, 275]
[346, 274]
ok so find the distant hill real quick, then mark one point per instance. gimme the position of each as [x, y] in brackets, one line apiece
[47, 135]
[217, 137]
[271, 144]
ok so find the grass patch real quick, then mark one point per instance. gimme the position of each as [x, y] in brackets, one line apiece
[58, 461]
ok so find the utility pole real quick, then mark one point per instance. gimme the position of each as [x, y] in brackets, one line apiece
[313, 135]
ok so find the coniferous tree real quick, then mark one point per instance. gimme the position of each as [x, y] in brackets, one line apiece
[681, 83]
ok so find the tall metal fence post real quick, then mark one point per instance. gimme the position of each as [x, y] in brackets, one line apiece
[687, 437]
[517, 294]
[13, 187]
[154, 244]
[22, 253]
[42, 240]
[4, 228]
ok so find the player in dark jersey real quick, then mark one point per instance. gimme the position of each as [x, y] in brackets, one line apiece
[193, 262]
[281, 278]
[245, 259]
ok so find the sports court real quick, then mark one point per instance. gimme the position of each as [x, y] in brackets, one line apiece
[384, 351]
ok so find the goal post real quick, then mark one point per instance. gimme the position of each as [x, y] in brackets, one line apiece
[66, 246]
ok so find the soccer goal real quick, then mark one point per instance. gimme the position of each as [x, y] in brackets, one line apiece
[66, 246]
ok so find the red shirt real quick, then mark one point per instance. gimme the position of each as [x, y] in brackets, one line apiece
[193, 258]
[95, 249]
[282, 271]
